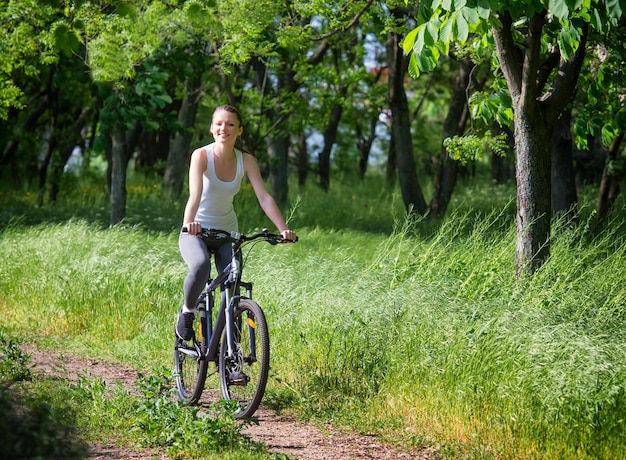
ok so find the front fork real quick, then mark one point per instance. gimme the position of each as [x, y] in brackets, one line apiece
[232, 301]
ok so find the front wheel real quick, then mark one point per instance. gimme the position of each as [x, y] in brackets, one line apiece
[190, 364]
[243, 375]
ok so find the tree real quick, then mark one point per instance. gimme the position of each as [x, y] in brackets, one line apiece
[564, 197]
[600, 106]
[401, 124]
[121, 41]
[446, 167]
[525, 36]
[191, 56]
[43, 89]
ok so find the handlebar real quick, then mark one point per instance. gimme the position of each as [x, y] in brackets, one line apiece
[239, 238]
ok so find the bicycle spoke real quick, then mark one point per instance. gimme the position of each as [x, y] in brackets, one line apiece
[243, 376]
[190, 370]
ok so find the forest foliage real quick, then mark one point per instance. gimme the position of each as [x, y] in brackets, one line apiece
[325, 91]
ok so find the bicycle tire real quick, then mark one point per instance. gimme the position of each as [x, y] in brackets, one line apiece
[248, 316]
[190, 368]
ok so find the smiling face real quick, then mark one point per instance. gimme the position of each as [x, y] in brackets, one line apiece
[226, 126]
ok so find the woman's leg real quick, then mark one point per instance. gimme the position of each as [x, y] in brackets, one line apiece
[223, 258]
[198, 259]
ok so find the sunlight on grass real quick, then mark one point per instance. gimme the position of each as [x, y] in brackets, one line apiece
[414, 330]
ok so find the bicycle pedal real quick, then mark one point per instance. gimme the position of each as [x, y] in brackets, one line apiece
[238, 379]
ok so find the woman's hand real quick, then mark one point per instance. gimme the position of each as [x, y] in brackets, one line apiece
[193, 228]
[289, 235]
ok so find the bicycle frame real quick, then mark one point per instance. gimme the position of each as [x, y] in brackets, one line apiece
[224, 316]
[231, 278]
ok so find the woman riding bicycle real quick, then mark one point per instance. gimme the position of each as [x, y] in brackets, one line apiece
[215, 175]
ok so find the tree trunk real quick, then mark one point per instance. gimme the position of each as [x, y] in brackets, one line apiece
[564, 196]
[68, 137]
[153, 147]
[535, 114]
[278, 149]
[454, 125]
[278, 139]
[45, 163]
[401, 128]
[123, 143]
[501, 166]
[303, 159]
[178, 156]
[391, 167]
[28, 125]
[118, 175]
[330, 135]
[532, 173]
[364, 143]
[609, 185]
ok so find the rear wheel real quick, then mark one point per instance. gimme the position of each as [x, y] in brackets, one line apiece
[243, 375]
[190, 367]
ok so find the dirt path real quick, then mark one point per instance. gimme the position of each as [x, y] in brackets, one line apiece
[280, 433]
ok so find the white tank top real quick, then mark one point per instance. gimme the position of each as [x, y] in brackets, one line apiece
[216, 204]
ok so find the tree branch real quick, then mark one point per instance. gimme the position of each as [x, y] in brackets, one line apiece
[530, 67]
[565, 79]
[350, 24]
[509, 55]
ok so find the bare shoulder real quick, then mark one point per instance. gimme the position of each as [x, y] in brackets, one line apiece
[199, 157]
[248, 157]
[249, 162]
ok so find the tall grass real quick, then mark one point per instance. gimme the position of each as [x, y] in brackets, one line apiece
[416, 330]
[433, 336]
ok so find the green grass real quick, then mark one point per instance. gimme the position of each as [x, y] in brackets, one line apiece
[45, 417]
[417, 331]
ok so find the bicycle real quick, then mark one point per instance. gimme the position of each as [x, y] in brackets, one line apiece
[237, 340]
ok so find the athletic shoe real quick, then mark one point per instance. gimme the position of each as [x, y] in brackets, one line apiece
[184, 327]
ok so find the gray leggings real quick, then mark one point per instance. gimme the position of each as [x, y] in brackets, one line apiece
[196, 253]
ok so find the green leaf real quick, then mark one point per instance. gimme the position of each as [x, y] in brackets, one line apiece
[559, 8]
[164, 98]
[614, 9]
[569, 40]
[427, 59]
[431, 34]
[194, 9]
[596, 21]
[126, 8]
[504, 115]
[445, 36]
[608, 133]
[65, 39]
[152, 125]
[418, 47]
[483, 8]
[414, 70]
[460, 28]
[594, 124]
[575, 5]
[470, 15]
[409, 41]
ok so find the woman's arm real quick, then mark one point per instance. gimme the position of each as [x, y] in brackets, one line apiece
[267, 202]
[196, 169]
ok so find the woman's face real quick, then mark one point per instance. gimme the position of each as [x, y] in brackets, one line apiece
[225, 127]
